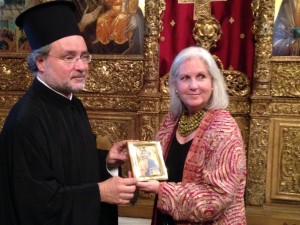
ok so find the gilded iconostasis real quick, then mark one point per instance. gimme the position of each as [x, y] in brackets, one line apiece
[256, 45]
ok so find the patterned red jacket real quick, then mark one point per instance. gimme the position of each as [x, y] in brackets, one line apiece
[214, 176]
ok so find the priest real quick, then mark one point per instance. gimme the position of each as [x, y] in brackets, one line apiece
[51, 172]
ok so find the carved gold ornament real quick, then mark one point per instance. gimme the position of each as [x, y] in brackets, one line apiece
[207, 31]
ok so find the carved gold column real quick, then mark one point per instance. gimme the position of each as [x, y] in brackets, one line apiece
[273, 155]
[259, 120]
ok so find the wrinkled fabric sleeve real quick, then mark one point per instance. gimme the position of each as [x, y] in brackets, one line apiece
[219, 181]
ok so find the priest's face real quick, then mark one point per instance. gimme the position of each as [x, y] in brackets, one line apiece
[65, 68]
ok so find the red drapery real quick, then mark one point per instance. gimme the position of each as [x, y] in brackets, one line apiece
[236, 46]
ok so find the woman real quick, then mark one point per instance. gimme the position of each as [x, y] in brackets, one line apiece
[202, 146]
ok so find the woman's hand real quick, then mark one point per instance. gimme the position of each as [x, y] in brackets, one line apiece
[151, 186]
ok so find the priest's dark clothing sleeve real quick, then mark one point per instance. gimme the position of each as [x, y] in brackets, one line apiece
[49, 164]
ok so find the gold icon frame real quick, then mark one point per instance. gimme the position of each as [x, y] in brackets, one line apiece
[150, 168]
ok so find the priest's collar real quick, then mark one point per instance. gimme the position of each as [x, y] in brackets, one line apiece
[40, 80]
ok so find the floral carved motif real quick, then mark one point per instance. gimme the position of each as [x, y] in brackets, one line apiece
[290, 160]
[257, 161]
[285, 78]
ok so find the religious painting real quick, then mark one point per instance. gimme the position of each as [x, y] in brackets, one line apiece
[110, 27]
[286, 33]
[12, 39]
[147, 161]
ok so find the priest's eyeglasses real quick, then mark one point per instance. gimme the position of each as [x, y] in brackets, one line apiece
[69, 59]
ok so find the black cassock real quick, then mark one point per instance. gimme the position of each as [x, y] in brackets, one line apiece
[49, 164]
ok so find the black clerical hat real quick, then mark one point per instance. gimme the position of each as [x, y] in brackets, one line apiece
[48, 22]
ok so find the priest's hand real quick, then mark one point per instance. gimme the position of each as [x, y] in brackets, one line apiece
[117, 190]
[117, 155]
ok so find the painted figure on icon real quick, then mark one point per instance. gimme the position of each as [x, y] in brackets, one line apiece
[112, 26]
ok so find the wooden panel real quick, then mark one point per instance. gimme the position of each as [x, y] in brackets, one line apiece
[284, 160]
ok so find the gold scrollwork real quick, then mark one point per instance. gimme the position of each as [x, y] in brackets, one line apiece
[239, 106]
[164, 104]
[164, 84]
[263, 13]
[149, 124]
[290, 160]
[202, 7]
[257, 161]
[285, 108]
[149, 105]
[207, 31]
[8, 100]
[115, 76]
[237, 83]
[261, 108]
[285, 78]
[114, 129]
[14, 74]
[110, 102]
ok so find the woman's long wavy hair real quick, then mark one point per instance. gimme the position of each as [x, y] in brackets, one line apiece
[219, 98]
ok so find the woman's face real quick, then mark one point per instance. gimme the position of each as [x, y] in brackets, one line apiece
[194, 84]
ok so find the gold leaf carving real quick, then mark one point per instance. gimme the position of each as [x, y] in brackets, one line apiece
[207, 31]
[149, 106]
[164, 104]
[113, 76]
[285, 108]
[263, 13]
[290, 161]
[237, 83]
[261, 108]
[238, 106]
[164, 84]
[7, 101]
[243, 124]
[202, 7]
[113, 129]
[110, 102]
[2, 120]
[149, 123]
[285, 78]
[14, 75]
[257, 161]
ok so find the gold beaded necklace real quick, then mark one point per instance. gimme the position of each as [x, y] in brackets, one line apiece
[189, 124]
